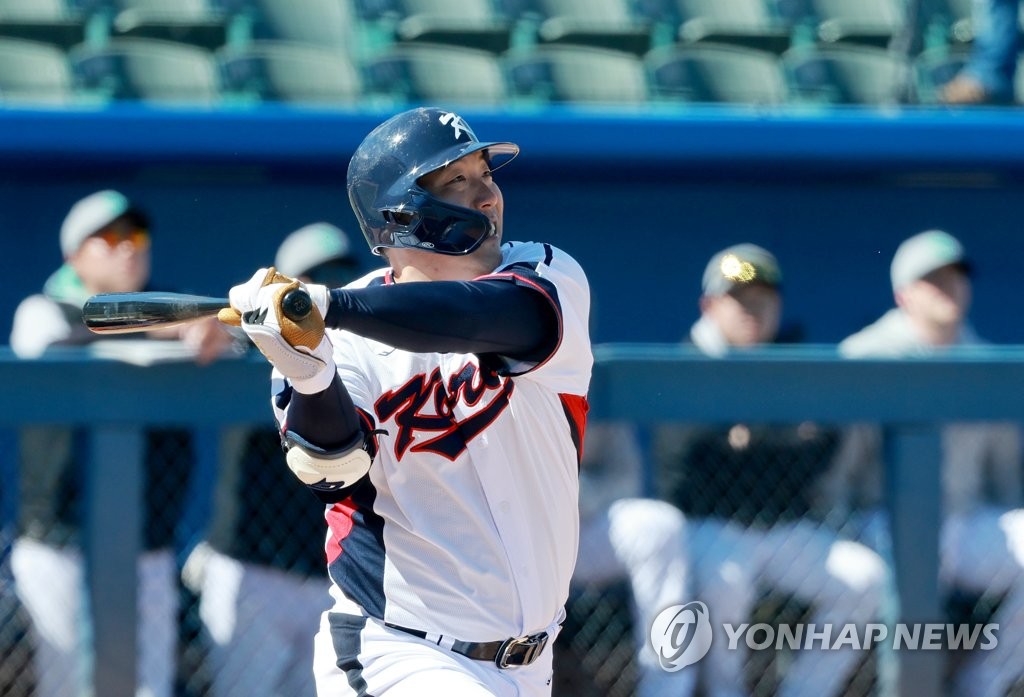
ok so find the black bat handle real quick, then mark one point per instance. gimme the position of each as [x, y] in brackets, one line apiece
[296, 305]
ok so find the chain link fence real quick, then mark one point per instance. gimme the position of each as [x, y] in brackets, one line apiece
[232, 564]
[787, 528]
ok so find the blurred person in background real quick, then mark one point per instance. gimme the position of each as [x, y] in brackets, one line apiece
[982, 536]
[17, 673]
[261, 574]
[639, 540]
[749, 493]
[105, 242]
[990, 74]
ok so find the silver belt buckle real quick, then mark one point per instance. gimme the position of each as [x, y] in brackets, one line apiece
[534, 644]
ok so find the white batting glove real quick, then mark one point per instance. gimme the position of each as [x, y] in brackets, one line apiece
[301, 351]
[320, 295]
[242, 297]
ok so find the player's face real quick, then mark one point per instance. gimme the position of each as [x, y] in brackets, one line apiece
[114, 260]
[941, 298]
[748, 315]
[468, 182]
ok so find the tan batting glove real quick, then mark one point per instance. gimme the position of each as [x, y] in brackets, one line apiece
[244, 298]
[299, 349]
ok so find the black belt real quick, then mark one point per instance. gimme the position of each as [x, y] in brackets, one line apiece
[509, 653]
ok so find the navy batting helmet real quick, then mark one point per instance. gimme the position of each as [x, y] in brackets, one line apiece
[392, 208]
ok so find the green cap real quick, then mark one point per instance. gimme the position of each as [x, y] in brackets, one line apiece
[740, 264]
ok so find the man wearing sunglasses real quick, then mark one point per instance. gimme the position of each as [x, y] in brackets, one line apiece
[105, 243]
[440, 419]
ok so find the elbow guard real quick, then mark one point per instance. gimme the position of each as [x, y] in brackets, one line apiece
[326, 471]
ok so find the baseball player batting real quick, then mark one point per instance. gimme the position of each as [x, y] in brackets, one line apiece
[440, 423]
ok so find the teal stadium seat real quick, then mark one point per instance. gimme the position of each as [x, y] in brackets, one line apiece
[51, 21]
[149, 70]
[748, 23]
[288, 72]
[951, 19]
[601, 23]
[410, 74]
[466, 23]
[577, 74]
[844, 75]
[198, 22]
[332, 23]
[716, 73]
[1019, 82]
[869, 22]
[33, 73]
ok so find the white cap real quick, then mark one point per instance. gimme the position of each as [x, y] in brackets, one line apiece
[923, 253]
[92, 214]
[311, 246]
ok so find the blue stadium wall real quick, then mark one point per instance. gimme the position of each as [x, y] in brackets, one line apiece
[642, 199]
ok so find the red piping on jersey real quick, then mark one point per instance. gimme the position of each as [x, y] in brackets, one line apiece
[339, 521]
[371, 428]
[547, 296]
[576, 408]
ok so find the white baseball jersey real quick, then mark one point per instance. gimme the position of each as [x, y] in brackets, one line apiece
[466, 524]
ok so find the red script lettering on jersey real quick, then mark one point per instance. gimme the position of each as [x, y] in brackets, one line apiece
[409, 403]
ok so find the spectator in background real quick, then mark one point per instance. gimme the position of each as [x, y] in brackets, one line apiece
[261, 574]
[105, 242]
[17, 673]
[749, 493]
[990, 74]
[642, 541]
[982, 535]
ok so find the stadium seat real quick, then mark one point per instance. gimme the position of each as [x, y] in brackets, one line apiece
[600, 23]
[748, 23]
[526, 10]
[844, 74]
[952, 20]
[421, 73]
[870, 22]
[197, 22]
[50, 21]
[374, 10]
[716, 73]
[466, 23]
[32, 72]
[332, 23]
[581, 74]
[1019, 81]
[288, 72]
[147, 70]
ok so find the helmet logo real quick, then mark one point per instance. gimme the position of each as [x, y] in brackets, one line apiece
[457, 123]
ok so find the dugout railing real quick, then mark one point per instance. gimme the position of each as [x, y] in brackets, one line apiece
[642, 383]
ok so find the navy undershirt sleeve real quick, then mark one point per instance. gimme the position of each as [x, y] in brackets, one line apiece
[486, 316]
[327, 421]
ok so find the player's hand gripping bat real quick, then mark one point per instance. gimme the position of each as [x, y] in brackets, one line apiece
[121, 313]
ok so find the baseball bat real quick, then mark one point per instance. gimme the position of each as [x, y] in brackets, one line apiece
[121, 313]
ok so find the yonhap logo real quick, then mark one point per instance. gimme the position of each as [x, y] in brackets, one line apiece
[681, 635]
